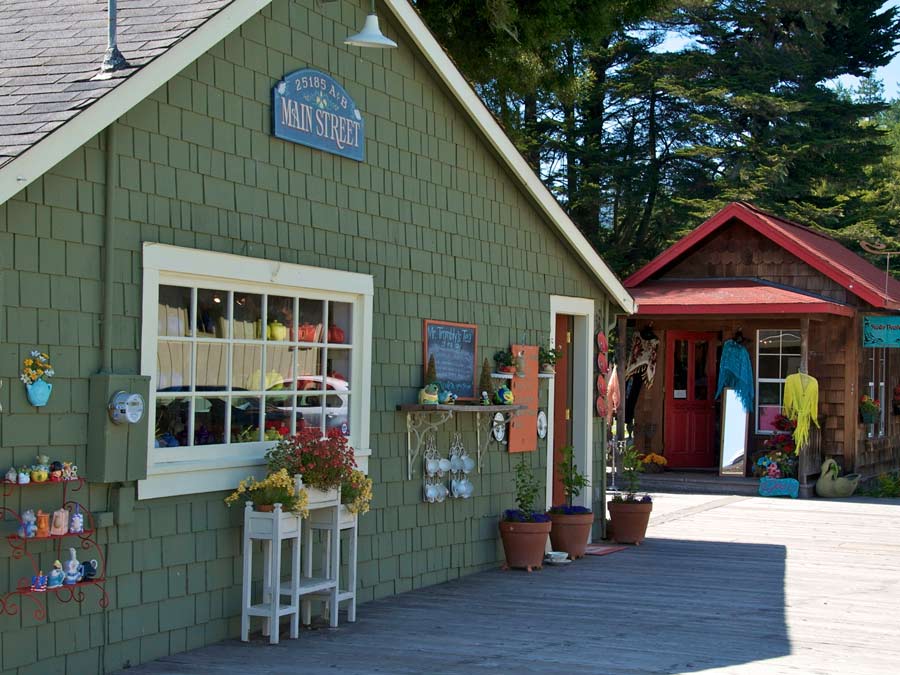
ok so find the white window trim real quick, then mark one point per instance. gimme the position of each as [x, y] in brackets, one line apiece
[164, 264]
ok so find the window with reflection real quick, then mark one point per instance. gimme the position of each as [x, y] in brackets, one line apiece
[777, 356]
[235, 366]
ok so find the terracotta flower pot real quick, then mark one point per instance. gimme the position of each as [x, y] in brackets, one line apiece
[265, 508]
[629, 521]
[524, 543]
[571, 532]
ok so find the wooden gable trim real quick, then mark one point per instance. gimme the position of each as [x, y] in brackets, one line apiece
[758, 222]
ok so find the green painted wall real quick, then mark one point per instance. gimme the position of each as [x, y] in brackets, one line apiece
[444, 231]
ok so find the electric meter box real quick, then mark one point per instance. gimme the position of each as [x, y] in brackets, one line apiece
[118, 435]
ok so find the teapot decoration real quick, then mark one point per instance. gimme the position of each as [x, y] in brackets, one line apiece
[56, 471]
[335, 334]
[76, 524]
[446, 397]
[72, 569]
[43, 525]
[24, 476]
[39, 582]
[504, 396]
[12, 475]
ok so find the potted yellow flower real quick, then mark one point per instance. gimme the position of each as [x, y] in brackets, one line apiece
[276, 488]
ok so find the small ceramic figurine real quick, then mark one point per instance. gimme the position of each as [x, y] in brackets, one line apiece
[43, 525]
[43, 461]
[39, 582]
[24, 476]
[28, 528]
[485, 399]
[67, 470]
[39, 474]
[60, 523]
[12, 475]
[446, 397]
[76, 525]
[504, 396]
[55, 578]
[72, 569]
[73, 473]
[56, 471]
[428, 395]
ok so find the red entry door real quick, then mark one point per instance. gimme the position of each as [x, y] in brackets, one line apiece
[690, 408]
[562, 402]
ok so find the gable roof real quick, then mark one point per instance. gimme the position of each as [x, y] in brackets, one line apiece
[816, 249]
[161, 38]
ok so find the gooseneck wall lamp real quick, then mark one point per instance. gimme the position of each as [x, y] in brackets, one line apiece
[370, 35]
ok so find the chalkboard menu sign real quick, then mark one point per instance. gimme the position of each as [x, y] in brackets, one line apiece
[454, 347]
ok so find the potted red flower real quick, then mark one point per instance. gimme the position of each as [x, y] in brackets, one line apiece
[571, 524]
[320, 463]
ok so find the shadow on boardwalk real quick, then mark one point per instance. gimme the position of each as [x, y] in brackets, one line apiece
[670, 606]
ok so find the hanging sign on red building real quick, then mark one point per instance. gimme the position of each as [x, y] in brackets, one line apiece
[311, 108]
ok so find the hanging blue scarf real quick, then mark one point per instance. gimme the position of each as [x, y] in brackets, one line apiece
[735, 372]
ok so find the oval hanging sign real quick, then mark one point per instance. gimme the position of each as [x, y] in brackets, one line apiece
[311, 108]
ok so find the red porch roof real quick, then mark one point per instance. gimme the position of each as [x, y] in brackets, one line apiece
[729, 296]
[817, 250]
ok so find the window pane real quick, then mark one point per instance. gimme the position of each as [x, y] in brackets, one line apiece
[340, 328]
[247, 316]
[769, 367]
[212, 366]
[789, 364]
[246, 373]
[278, 417]
[279, 318]
[309, 411]
[339, 364]
[680, 366]
[701, 383]
[337, 412]
[279, 368]
[212, 316]
[767, 415]
[309, 320]
[174, 311]
[171, 422]
[173, 366]
[790, 342]
[209, 420]
[309, 362]
[770, 392]
[245, 420]
[769, 341]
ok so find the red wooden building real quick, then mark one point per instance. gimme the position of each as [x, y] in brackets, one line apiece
[797, 298]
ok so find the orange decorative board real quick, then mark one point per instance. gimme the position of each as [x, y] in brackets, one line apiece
[523, 427]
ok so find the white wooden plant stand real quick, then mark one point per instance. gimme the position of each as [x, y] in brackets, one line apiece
[272, 528]
[318, 520]
[324, 511]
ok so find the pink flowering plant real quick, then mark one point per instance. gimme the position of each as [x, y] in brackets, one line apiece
[779, 457]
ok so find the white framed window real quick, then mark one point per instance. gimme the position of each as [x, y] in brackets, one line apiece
[875, 370]
[777, 356]
[241, 352]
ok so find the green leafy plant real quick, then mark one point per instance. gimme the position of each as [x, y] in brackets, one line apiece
[632, 466]
[549, 355]
[573, 480]
[503, 358]
[527, 490]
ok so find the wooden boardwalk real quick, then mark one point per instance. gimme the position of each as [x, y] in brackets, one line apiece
[738, 585]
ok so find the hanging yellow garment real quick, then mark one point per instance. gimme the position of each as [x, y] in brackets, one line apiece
[801, 404]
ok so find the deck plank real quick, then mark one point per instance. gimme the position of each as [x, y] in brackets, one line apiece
[737, 585]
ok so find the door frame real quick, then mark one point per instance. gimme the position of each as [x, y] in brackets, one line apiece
[582, 311]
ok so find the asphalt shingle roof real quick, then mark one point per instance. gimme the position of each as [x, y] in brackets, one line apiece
[51, 49]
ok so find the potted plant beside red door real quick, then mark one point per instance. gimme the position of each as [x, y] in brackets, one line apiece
[628, 513]
[571, 524]
[523, 530]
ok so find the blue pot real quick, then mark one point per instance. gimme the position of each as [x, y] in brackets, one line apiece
[39, 393]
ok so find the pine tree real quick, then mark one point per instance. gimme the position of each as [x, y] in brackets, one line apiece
[431, 371]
